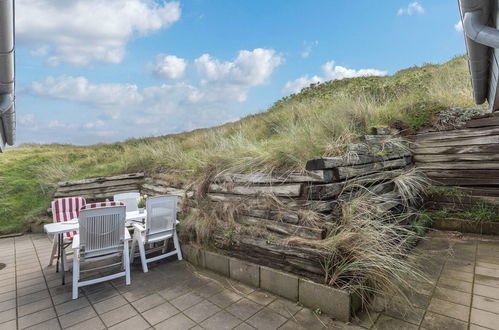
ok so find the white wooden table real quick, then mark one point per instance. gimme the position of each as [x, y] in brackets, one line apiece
[60, 228]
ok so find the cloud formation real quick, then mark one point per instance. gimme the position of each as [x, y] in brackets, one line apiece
[411, 9]
[458, 26]
[81, 32]
[309, 46]
[168, 67]
[330, 72]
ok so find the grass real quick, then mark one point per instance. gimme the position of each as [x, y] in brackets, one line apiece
[319, 121]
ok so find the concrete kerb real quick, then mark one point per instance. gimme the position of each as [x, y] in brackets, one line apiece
[337, 303]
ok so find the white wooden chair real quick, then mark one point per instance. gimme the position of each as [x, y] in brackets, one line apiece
[64, 210]
[102, 235]
[160, 226]
[130, 200]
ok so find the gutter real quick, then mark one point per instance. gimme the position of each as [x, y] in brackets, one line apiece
[7, 74]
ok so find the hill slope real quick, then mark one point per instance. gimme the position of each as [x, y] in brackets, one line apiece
[318, 121]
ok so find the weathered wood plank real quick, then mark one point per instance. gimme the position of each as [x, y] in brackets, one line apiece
[283, 228]
[333, 162]
[319, 206]
[100, 179]
[461, 165]
[480, 174]
[455, 157]
[264, 178]
[322, 191]
[129, 187]
[285, 216]
[466, 149]
[481, 191]
[493, 139]
[483, 122]
[465, 181]
[100, 185]
[358, 170]
[458, 133]
[283, 190]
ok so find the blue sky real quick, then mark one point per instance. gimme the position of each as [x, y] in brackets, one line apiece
[91, 71]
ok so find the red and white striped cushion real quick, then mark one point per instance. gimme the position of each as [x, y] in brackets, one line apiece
[101, 204]
[67, 209]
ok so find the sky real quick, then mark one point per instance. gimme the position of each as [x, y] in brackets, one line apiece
[101, 71]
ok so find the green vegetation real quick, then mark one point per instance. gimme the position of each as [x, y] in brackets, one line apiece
[476, 214]
[321, 120]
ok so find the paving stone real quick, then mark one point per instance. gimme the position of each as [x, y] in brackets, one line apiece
[220, 321]
[118, 315]
[209, 289]
[224, 298]
[449, 309]
[135, 323]
[177, 322]
[487, 304]
[186, 301]
[285, 307]
[10, 325]
[279, 283]
[266, 319]
[35, 318]
[487, 271]
[457, 275]
[8, 315]
[109, 304]
[311, 321]
[402, 311]
[487, 280]
[77, 316]
[486, 291]
[48, 325]
[291, 325]
[172, 293]
[202, 311]
[455, 284]
[484, 318]
[7, 296]
[244, 272]
[217, 262]
[244, 308]
[389, 323]
[94, 323]
[6, 305]
[148, 302]
[262, 297]
[160, 313]
[455, 296]
[72, 305]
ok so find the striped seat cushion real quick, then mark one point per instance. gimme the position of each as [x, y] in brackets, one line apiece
[101, 204]
[67, 209]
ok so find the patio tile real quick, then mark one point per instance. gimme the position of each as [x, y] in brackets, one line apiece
[209, 289]
[311, 321]
[291, 325]
[389, 323]
[34, 307]
[455, 296]
[118, 315]
[102, 295]
[484, 318]
[27, 299]
[455, 284]
[186, 301]
[225, 298]
[487, 304]
[7, 305]
[10, 325]
[8, 315]
[220, 321]
[31, 289]
[449, 309]
[262, 297]
[7, 296]
[77, 316]
[284, 307]
[487, 280]
[486, 291]
[72, 305]
[174, 292]
[135, 323]
[202, 311]
[148, 302]
[49, 325]
[487, 271]
[244, 308]
[266, 319]
[94, 323]
[109, 304]
[177, 322]
[35, 318]
[160, 313]
[61, 298]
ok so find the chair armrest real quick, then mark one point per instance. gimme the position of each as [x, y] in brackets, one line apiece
[76, 242]
[127, 235]
[138, 226]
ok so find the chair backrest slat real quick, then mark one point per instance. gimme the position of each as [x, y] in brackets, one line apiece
[161, 215]
[102, 228]
[130, 199]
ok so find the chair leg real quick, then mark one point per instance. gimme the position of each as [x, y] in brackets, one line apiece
[132, 250]
[164, 246]
[142, 255]
[127, 264]
[64, 255]
[54, 250]
[177, 246]
[76, 275]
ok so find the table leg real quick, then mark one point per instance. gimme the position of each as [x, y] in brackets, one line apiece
[61, 239]
[58, 238]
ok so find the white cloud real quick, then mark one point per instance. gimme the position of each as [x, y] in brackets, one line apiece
[330, 72]
[221, 81]
[27, 119]
[56, 124]
[458, 26]
[94, 124]
[412, 8]
[168, 67]
[81, 32]
[309, 46]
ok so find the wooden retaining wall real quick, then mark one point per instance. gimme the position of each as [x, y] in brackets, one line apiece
[466, 159]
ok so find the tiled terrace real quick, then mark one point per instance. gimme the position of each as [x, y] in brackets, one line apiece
[464, 292]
